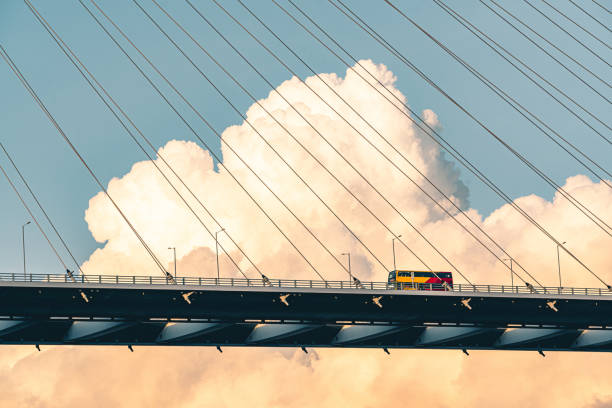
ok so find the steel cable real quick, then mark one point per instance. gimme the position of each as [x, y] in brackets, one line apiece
[32, 216]
[430, 129]
[331, 174]
[590, 15]
[149, 157]
[256, 131]
[344, 119]
[463, 21]
[538, 46]
[25, 183]
[576, 24]
[211, 151]
[26, 84]
[567, 32]
[452, 150]
[407, 62]
[581, 207]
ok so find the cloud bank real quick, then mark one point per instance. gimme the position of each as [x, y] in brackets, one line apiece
[194, 377]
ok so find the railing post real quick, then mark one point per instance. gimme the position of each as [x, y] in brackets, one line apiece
[295, 283]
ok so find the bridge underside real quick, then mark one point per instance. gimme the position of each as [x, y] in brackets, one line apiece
[200, 333]
[39, 313]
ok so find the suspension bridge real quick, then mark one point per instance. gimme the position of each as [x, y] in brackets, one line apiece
[85, 309]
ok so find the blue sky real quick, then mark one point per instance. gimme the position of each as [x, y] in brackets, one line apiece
[65, 188]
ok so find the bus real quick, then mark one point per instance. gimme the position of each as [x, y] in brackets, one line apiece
[420, 280]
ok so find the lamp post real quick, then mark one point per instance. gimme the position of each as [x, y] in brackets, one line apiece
[217, 249]
[393, 246]
[511, 272]
[174, 249]
[559, 262]
[349, 265]
[23, 246]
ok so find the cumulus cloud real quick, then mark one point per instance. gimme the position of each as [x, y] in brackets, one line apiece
[249, 377]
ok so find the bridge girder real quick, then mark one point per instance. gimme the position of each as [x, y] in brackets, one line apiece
[52, 313]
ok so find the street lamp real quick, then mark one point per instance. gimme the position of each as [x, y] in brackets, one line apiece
[393, 246]
[174, 249]
[511, 272]
[349, 265]
[23, 246]
[217, 249]
[559, 261]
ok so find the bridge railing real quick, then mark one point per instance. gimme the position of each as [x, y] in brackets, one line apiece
[298, 283]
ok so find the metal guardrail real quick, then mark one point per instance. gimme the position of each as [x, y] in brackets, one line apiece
[297, 283]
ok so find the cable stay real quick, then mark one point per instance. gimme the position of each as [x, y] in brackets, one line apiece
[395, 148]
[211, 151]
[602, 6]
[581, 207]
[538, 46]
[478, 33]
[34, 95]
[576, 24]
[81, 68]
[344, 119]
[59, 258]
[26, 184]
[567, 32]
[452, 151]
[34, 218]
[408, 63]
[122, 117]
[590, 15]
[322, 137]
[516, 105]
[256, 131]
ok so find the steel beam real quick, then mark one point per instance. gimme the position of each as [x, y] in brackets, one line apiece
[358, 333]
[517, 336]
[591, 338]
[271, 332]
[11, 326]
[82, 330]
[177, 331]
[441, 334]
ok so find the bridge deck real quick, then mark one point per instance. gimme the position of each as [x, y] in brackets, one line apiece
[50, 309]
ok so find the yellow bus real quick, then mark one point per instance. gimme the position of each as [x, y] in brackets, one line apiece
[420, 280]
